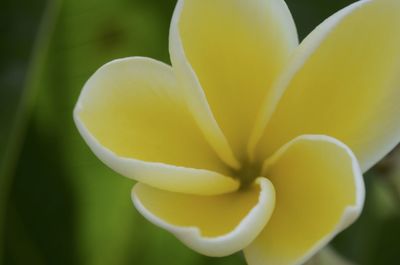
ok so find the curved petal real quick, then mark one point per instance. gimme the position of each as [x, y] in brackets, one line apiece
[212, 225]
[319, 192]
[133, 116]
[344, 81]
[229, 52]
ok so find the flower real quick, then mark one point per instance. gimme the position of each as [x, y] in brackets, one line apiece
[247, 141]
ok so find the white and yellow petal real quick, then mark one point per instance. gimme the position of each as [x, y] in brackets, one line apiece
[343, 81]
[226, 54]
[319, 192]
[133, 116]
[212, 225]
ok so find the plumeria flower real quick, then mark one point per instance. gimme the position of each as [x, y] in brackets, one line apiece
[250, 141]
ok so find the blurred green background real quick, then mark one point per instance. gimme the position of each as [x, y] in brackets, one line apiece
[58, 203]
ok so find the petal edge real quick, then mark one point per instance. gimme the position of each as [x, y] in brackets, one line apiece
[329, 189]
[113, 115]
[213, 244]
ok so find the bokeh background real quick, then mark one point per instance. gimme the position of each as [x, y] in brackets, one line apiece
[58, 203]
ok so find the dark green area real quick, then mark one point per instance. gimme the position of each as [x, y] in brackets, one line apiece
[58, 203]
[375, 238]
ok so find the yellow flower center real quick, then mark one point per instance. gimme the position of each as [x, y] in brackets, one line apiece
[247, 173]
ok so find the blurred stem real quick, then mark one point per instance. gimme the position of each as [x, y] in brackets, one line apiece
[26, 105]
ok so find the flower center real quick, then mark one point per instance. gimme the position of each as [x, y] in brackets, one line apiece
[247, 173]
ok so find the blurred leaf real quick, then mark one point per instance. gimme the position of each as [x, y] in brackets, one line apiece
[19, 23]
[388, 243]
[40, 220]
[16, 98]
[377, 229]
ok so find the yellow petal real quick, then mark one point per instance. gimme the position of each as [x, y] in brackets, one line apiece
[228, 53]
[344, 81]
[133, 116]
[212, 225]
[319, 192]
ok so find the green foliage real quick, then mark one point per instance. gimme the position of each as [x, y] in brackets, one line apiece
[375, 238]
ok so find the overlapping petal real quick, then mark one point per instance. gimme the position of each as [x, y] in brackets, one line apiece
[212, 225]
[344, 81]
[227, 53]
[319, 192]
[182, 131]
[132, 114]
